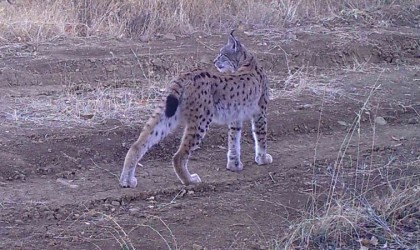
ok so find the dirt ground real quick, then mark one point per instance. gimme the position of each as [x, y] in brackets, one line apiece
[59, 171]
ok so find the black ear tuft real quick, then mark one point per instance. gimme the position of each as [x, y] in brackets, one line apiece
[233, 42]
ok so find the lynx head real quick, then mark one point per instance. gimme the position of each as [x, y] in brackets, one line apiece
[232, 56]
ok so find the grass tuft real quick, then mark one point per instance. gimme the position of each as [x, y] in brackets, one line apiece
[39, 20]
[370, 212]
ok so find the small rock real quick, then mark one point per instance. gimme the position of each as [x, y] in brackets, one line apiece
[248, 33]
[190, 192]
[169, 36]
[19, 222]
[342, 123]
[27, 215]
[66, 183]
[304, 106]
[58, 216]
[21, 177]
[177, 205]
[107, 207]
[413, 120]
[380, 120]
[111, 68]
[85, 117]
[158, 62]
[197, 247]
[134, 211]
[145, 38]
[115, 203]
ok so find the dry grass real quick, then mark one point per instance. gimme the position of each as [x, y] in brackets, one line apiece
[39, 20]
[95, 227]
[356, 222]
[87, 105]
[358, 213]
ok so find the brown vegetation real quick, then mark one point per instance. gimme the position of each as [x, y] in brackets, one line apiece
[38, 20]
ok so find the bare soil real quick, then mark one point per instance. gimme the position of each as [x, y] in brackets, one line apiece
[59, 178]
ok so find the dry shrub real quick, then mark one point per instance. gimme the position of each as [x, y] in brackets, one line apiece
[388, 221]
[360, 213]
[40, 20]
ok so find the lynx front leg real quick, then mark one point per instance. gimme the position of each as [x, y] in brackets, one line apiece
[259, 132]
[234, 147]
[191, 140]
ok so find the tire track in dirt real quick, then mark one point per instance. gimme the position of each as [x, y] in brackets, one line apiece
[291, 174]
[153, 198]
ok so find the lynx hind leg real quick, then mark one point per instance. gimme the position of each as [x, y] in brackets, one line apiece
[193, 135]
[127, 177]
[259, 132]
[234, 147]
[157, 128]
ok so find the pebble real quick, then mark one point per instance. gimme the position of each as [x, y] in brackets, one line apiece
[197, 247]
[66, 183]
[342, 123]
[304, 106]
[19, 222]
[115, 203]
[380, 120]
[145, 38]
[169, 36]
[413, 120]
[177, 205]
[134, 210]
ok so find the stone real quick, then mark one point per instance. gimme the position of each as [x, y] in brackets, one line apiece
[380, 120]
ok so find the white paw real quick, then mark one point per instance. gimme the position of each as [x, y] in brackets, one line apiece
[263, 159]
[128, 182]
[194, 179]
[235, 166]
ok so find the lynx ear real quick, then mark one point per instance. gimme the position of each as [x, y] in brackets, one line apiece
[233, 42]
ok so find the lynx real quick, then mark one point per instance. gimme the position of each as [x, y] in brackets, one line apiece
[238, 92]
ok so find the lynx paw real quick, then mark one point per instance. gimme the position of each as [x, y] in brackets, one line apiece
[235, 166]
[128, 182]
[263, 159]
[193, 179]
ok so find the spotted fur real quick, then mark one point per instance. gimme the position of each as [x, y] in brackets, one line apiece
[236, 93]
